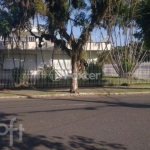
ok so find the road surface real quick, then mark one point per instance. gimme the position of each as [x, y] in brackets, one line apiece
[83, 123]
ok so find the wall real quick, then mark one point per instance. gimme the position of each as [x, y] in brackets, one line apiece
[58, 59]
[97, 46]
[32, 55]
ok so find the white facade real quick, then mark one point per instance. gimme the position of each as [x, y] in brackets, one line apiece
[33, 59]
[14, 56]
[95, 46]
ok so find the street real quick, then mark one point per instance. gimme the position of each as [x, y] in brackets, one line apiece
[82, 123]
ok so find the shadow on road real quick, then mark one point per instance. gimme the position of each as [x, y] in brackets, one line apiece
[32, 142]
[110, 102]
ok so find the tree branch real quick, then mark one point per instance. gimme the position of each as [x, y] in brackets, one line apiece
[58, 42]
[64, 33]
[97, 16]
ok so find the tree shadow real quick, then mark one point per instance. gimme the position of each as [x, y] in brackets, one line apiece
[80, 142]
[41, 142]
[102, 104]
[108, 102]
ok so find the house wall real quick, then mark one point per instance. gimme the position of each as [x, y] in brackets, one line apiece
[33, 59]
[61, 60]
[92, 55]
[33, 45]
[29, 42]
[97, 46]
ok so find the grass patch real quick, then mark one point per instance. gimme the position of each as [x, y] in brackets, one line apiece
[111, 90]
[88, 91]
[115, 81]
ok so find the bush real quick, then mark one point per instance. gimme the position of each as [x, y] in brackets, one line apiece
[96, 69]
[124, 84]
[19, 76]
[48, 73]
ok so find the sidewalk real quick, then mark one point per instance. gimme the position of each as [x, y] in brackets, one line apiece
[47, 92]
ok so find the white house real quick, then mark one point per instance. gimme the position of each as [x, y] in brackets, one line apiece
[31, 57]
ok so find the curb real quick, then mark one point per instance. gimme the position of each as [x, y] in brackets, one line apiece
[72, 95]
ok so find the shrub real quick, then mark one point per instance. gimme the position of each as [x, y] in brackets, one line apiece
[95, 68]
[48, 73]
[19, 76]
[124, 84]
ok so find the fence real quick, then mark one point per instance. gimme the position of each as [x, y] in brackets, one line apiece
[12, 78]
[143, 71]
[141, 75]
[49, 78]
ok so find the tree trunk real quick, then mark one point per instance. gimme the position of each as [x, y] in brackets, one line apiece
[74, 80]
[126, 75]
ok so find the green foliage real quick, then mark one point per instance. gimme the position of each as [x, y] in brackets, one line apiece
[5, 23]
[95, 69]
[79, 4]
[58, 14]
[39, 6]
[83, 56]
[124, 84]
[143, 21]
[83, 14]
[127, 57]
[19, 76]
[81, 20]
[127, 65]
[48, 73]
[104, 57]
[15, 14]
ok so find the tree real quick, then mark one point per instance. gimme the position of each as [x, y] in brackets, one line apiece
[57, 21]
[13, 16]
[143, 21]
[127, 52]
[85, 14]
[128, 58]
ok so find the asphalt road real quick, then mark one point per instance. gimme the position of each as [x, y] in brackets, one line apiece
[83, 123]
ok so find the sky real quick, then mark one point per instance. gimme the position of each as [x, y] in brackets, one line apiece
[95, 34]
